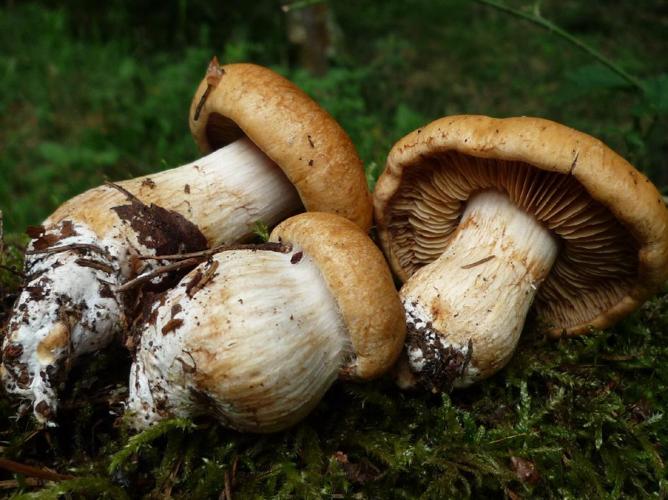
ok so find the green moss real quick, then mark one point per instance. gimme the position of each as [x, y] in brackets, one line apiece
[89, 487]
[573, 418]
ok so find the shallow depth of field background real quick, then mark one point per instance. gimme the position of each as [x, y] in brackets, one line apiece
[95, 91]
[92, 93]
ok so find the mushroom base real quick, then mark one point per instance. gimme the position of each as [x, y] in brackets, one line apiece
[465, 311]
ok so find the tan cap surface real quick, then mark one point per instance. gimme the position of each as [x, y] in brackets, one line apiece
[358, 277]
[610, 220]
[290, 128]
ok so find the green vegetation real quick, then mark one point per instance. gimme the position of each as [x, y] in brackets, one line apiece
[93, 93]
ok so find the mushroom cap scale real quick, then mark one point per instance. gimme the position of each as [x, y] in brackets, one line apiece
[610, 220]
[290, 128]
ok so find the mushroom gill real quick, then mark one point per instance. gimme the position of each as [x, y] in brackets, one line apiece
[221, 131]
[598, 257]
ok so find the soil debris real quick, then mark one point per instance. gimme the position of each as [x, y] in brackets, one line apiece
[441, 364]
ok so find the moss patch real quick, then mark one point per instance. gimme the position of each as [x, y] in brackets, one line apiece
[579, 417]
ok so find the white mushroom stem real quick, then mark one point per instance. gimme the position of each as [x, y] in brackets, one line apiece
[224, 194]
[71, 306]
[256, 344]
[229, 190]
[465, 311]
[66, 309]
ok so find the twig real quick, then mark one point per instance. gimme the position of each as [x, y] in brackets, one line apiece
[202, 101]
[214, 73]
[537, 19]
[10, 484]
[127, 193]
[496, 441]
[618, 357]
[271, 246]
[228, 489]
[192, 290]
[167, 489]
[12, 270]
[30, 471]
[478, 262]
[234, 471]
[94, 264]
[128, 285]
[71, 246]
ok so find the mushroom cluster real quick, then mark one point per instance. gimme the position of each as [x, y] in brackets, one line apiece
[271, 152]
[482, 219]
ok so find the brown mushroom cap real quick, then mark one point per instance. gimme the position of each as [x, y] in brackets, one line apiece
[303, 139]
[360, 280]
[609, 219]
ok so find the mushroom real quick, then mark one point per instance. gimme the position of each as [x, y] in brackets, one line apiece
[481, 217]
[315, 153]
[255, 337]
[287, 154]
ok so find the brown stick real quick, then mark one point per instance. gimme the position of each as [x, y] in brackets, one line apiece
[234, 471]
[64, 248]
[124, 191]
[12, 270]
[214, 73]
[167, 490]
[478, 262]
[204, 279]
[10, 484]
[128, 285]
[228, 489]
[201, 102]
[100, 266]
[30, 471]
[269, 246]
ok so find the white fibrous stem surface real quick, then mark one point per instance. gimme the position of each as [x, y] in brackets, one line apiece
[256, 346]
[229, 191]
[67, 308]
[465, 311]
[70, 305]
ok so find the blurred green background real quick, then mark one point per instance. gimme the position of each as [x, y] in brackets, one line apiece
[96, 91]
